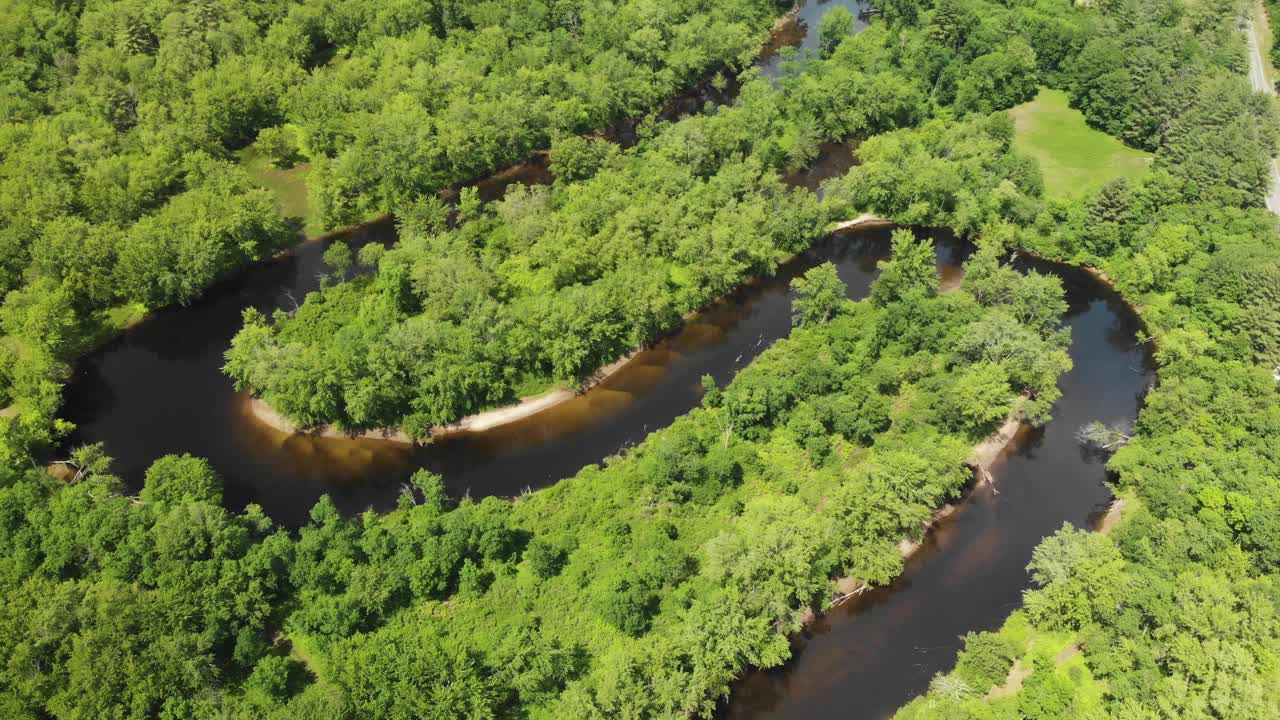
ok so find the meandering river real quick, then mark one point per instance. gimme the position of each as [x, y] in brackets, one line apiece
[159, 389]
[867, 658]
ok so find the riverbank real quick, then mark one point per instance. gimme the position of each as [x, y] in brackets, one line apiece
[263, 412]
[982, 459]
[1105, 280]
[865, 220]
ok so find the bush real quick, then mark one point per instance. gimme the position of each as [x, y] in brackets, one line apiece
[543, 558]
[280, 144]
[175, 479]
[985, 660]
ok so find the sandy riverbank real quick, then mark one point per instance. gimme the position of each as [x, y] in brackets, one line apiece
[1112, 517]
[981, 459]
[864, 220]
[262, 412]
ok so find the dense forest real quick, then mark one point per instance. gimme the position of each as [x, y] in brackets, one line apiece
[550, 284]
[1175, 612]
[119, 187]
[641, 587]
[668, 569]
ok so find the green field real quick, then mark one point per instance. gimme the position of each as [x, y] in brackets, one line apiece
[1073, 156]
[290, 185]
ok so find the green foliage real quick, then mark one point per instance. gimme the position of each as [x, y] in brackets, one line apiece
[836, 24]
[339, 257]
[985, 660]
[980, 399]
[910, 272]
[221, 223]
[370, 255]
[280, 144]
[641, 588]
[543, 558]
[456, 318]
[1046, 694]
[998, 80]
[177, 479]
[118, 120]
[43, 314]
[819, 295]
[674, 566]
[270, 677]
[959, 175]
[575, 158]
[453, 91]
[94, 580]
[1161, 611]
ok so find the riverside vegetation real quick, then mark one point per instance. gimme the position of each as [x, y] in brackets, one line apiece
[119, 189]
[1175, 612]
[641, 588]
[550, 284]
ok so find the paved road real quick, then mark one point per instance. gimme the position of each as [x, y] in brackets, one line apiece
[1259, 80]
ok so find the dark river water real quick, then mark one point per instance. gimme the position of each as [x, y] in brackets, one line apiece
[159, 389]
[867, 658]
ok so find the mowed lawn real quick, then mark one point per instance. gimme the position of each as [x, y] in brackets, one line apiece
[1073, 156]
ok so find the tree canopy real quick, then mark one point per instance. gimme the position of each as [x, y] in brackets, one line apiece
[640, 587]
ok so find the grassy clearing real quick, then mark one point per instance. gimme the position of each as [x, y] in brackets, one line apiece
[1062, 649]
[290, 185]
[122, 317]
[1074, 157]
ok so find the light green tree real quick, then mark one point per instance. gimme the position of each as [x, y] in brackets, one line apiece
[819, 294]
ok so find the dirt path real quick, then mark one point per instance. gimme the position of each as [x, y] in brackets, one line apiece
[1262, 24]
[1258, 78]
[1012, 683]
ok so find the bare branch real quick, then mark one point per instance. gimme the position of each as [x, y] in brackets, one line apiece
[1101, 437]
